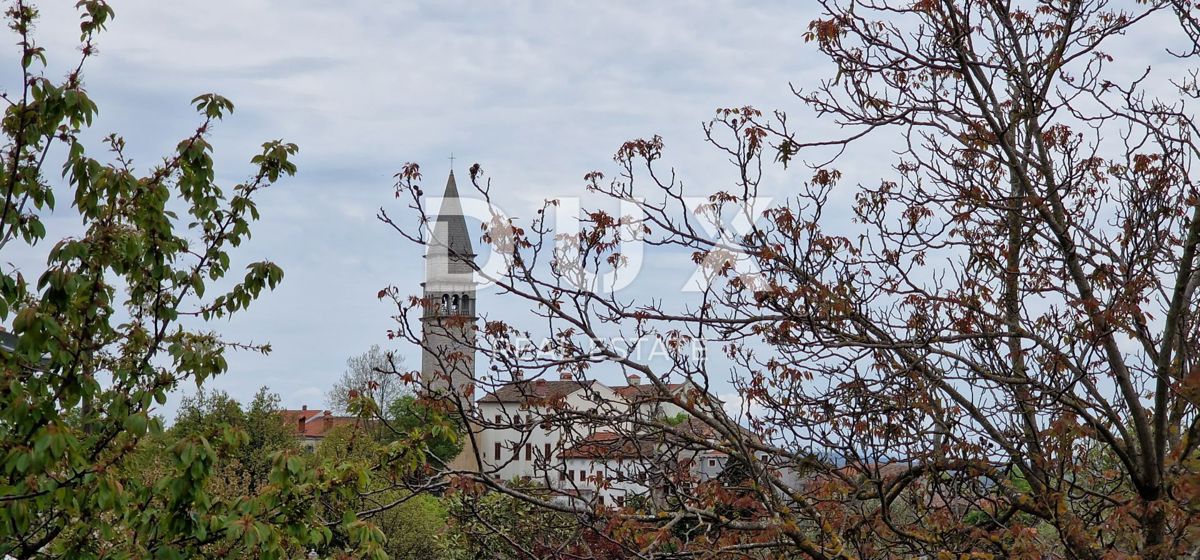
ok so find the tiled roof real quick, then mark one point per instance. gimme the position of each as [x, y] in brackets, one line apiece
[317, 423]
[697, 428]
[540, 389]
[608, 445]
[293, 415]
[646, 391]
[884, 471]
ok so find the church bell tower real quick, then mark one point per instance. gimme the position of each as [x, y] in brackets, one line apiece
[449, 321]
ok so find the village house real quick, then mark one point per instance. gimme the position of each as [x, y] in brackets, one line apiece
[312, 425]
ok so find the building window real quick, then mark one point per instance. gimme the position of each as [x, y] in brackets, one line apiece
[620, 501]
[516, 447]
[528, 452]
[547, 457]
[562, 475]
[499, 419]
[497, 451]
[582, 475]
[712, 462]
[600, 499]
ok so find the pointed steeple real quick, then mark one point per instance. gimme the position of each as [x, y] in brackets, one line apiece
[448, 323]
[450, 244]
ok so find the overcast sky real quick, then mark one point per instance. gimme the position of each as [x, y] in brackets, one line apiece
[537, 93]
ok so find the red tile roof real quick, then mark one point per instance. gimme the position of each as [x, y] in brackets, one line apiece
[317, 423]
[608, 445]
[646, 391]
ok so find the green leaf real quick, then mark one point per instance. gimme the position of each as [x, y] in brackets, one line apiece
[136, 423]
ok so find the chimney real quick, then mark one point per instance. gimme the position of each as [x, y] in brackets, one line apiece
[517, 375]
[300, 422]
[635, 379]
[540, 381]
[565, 375]
[328, 417]
[303, 407]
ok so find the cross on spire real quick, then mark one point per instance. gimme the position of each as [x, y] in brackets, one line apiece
[451, 161]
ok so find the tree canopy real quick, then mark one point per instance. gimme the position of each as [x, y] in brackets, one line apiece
[117, 318]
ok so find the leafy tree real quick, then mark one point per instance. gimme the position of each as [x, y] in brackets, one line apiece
[373, 389]
[499, 526]
[412, 522]
[675, 420]
[373, 375]
[99, 336]
[212, 414]
[409, 414]
[1008, 325]
[414, 528]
